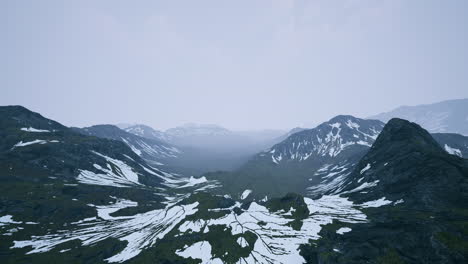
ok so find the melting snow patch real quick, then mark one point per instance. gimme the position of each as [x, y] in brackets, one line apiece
[274, 159]
[245, 194]
[242, 242]
[23, 144]
[363, 186]
[343, 230]
[200, 250]
[195, 226]
[31, 129]
[399, 202]
[453, 151]
[351, 124]
[368, 166]
[192, 181]
[7, 219]
[376, 203]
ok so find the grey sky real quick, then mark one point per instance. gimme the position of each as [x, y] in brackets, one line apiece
[241, 64]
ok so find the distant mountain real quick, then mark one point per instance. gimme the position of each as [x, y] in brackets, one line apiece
[209, 147]
[329, 139]
[148, 132]
[298, 162]
[207, 138]
[192, 129]
[266, 137]
[454, 144]
[415, 198]
[153, 151]
[286, 135]
[443, 117]
[125, 125]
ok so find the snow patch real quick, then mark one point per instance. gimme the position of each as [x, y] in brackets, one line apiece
[7, 219]
[123, 176]
[368, 166]
[245, 194]
[37, 141]
[31, 129]
[453, 151]
[242, 242]
[343, 230]
[200, 250]
[376, 203]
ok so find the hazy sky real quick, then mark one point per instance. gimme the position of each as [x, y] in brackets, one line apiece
[241, 64]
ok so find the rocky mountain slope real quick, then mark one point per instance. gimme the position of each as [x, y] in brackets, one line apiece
[66, 197]
[415, 197]
[55, 180]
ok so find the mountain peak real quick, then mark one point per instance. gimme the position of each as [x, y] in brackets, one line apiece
[329, 139]
[19, 116]
[342, 118]
[399, 132]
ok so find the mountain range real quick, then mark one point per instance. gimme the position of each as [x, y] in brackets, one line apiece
[350, 190]
[443, 117]
[209, 147]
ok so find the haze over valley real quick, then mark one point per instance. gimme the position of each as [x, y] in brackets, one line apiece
[247, 132]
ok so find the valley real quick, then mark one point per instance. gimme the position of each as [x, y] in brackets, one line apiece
[106, 195]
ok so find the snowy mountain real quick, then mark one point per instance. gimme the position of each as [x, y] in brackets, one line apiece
[64, 193]
[153, 151]
[192, 129]
[443, 117]
[327, 140]
[413, 193]
[67, 197]
[148, 132]
[315, 161]
[297, 163]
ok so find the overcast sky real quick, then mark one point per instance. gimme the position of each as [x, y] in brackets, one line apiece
[241, 64]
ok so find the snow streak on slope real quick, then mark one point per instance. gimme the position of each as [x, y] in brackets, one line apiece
[37, 141]
[117, 174]
[141, 147]
[35, 130]
[332, 178]
[140, 231]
